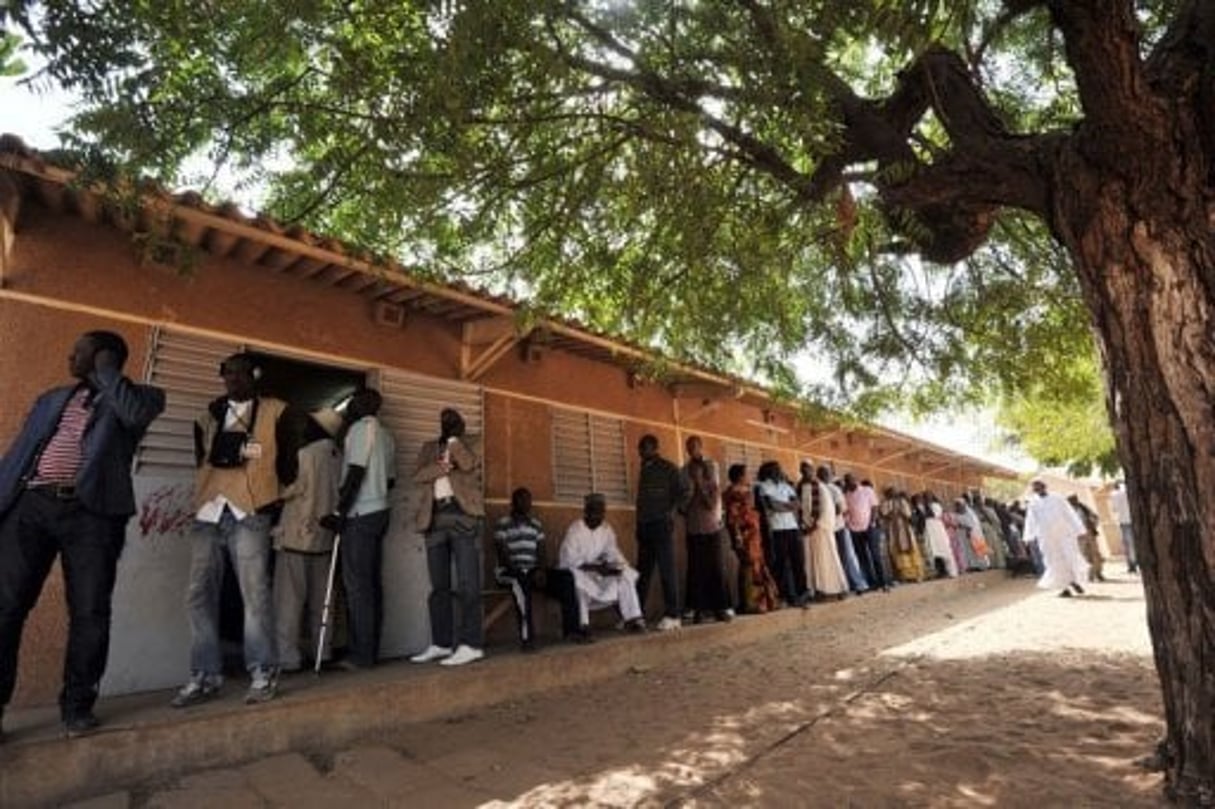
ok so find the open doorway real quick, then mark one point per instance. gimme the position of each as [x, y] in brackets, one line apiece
[305, 386]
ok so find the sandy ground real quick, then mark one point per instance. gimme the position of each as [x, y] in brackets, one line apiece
[1005, 696]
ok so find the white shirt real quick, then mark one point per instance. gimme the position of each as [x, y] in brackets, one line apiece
[370, 446]
[827, 516]
[442, 486]
[1121, 505]
[587, 546]
[1053, 522]
[1051, 518]
[779, 492]
[841, 506]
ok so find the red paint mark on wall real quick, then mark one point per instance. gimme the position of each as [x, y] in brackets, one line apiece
[166, 511]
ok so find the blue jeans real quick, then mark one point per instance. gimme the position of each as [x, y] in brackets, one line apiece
[455, 536]
[852, 568]
[247, 542]
[1128, 546]
[868, 554]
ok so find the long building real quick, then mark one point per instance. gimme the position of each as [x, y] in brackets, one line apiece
[560, 407]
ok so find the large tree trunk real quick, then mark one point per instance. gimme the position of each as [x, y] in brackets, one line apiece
[1146, 259]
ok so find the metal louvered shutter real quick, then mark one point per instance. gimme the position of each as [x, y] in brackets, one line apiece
[747, 454]
[412, 403]
[573, 477]
[608, 455]
[589, 455]
[186, 366]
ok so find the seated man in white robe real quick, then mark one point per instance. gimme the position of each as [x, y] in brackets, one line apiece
[602, 576]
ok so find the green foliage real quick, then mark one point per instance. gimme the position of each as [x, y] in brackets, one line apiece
[10, 63]
[642, 166]
[1062, 420]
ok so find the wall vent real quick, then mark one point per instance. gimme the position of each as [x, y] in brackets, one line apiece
[389, 314]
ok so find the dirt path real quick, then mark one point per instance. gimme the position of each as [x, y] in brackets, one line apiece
[999, 697]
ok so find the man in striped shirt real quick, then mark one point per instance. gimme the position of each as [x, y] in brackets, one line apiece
[65, 490]
[519, 540]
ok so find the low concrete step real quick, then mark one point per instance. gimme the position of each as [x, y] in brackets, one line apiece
[143, 740]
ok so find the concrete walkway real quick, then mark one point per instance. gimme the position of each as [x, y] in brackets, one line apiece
[268, 754]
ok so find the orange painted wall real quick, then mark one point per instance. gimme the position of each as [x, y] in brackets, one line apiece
[71, 263]
[34, 347]
[67, 259]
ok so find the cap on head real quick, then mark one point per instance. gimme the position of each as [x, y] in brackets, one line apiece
[328, 420]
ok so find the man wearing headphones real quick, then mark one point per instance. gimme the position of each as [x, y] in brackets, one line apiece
[236, 490]
[65, 490]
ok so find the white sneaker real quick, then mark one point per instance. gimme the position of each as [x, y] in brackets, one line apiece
[200, 688]
[432, 653]
[263, 688]
[668, 624]
[464, 654]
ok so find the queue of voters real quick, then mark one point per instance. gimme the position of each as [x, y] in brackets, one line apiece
[298, 504]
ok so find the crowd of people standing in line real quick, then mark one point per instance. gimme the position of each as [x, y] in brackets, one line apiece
[285, 495]
[793, 542]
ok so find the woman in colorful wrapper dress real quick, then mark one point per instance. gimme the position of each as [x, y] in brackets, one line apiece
[756, 588]
[894, 512]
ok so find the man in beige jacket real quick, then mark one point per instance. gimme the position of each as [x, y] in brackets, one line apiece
[302, 546]
[237, 487]
[451, 513]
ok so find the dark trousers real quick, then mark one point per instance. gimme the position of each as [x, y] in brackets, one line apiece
[455, 537]
[707, 590]
[656, 545]
[559, 584]
[790, 565]
[36, 529]
[362, 551]
[868, 546]
[522, 584]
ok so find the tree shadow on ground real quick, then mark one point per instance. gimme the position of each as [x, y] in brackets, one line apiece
[1006, 730]
[1004, 695]
[1003, 730]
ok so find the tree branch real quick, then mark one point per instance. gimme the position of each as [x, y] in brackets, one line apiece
[953, 198]
[1182, 66]
[683, 95]
[1102, 40]
[1013, 10]
[949, 203]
